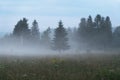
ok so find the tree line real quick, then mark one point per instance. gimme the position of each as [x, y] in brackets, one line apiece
[91, 33]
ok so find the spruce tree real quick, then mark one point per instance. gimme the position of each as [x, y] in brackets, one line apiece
[90, 27]
[17, 30]
[60, 41]
[22, 31]
[82, 28]
[21, 28]
[45, 38]
[116, 37]
[97, 21]
[108, 25]
[35, 34]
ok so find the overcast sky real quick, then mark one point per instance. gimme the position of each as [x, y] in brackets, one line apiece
[49, 12]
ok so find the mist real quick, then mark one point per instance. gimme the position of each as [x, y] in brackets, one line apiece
[91, 36]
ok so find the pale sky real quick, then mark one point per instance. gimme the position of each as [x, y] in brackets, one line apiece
[49, 12]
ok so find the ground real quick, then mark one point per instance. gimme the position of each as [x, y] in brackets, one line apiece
[87, 66]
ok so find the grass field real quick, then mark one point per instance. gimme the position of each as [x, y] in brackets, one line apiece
[70, 67]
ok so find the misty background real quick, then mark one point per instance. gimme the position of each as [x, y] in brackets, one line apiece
[92, 34]
[38, 26]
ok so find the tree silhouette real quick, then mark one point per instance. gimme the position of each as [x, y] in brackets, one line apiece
[60, 41]
[90, 27]
[21, 30]
[45, 38]
[108, 25]
[116, 37]
[35, 34]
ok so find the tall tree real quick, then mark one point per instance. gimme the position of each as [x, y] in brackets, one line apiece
[45, 38]
[17, 30]
[35, 34]
[98, 21]
[82, 28]
[116, 37]
[60, 41]
[90, 27]
[81, 33]
[102, 33]
[22, 30]
[108, 26]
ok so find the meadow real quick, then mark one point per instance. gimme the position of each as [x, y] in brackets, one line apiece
[89, 66]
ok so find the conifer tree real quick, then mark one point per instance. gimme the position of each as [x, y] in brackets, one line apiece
[90, 27]
[82, 28]
[35, 34]
[108, 25]
[60, 41]
[45, 38]
[21, 30]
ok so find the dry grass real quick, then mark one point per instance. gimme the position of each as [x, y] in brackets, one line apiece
[75, 67]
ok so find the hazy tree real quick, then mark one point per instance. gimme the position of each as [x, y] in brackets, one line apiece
[108, 26]
[102, 25]
[45, 38]
[98, 21]
[75, 32]
[116, 37]
[17, 30]
[89, 22]
[60, 41]
[105, 33]
[70, 33]
[81, 33]
[82, 28]
[72, 36]
[89, 27]
[35, 34]
[22, 30]
[98, 32]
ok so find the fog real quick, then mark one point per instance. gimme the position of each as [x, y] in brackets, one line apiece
[19, 50]
[91, 36]
[11, 48]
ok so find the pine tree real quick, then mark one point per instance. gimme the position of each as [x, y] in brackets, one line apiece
[108, 25]
[45, 38]
[103, 30]
[90, 27]
[98, 21]
[17, 30]
[70, 33]
[60, 41]
[21, 30]
[81, 33]
[116, 37]
[102, 37]
[102, 25]
[82, 28]
[108, 30]
[35, 34]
